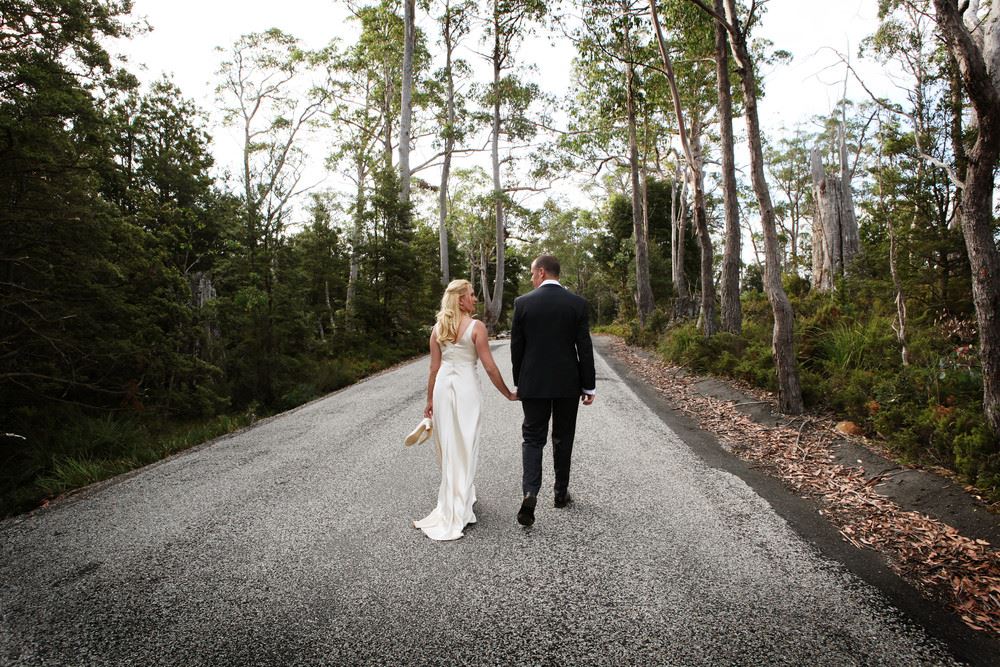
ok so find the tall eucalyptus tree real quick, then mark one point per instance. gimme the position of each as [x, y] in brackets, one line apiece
[972, 33]
[693, 154]
[729, 288]
[782, 340]
[455, 24]
[406, 98]
[508, 98]
[611, 51]
[362, 80]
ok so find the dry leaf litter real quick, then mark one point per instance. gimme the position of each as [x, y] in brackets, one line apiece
[927, 552]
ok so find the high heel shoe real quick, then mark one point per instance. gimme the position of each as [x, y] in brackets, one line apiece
[420, 433]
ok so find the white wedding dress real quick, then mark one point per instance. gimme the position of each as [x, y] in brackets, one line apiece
[457, 406]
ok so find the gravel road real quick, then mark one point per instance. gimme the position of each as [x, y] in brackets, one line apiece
[290, 544]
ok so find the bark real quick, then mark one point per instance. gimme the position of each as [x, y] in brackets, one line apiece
[387, 118]
[449, 147]
[644, 290]
[678, 225]
[976, 47]
[356, 233]
[835, 228]
[494, 300]
[782, 340]
[644, 176]
[406, 99]
[707, 315]
[692, 154]
[732, 314]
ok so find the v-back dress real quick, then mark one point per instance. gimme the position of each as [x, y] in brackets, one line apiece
[457, 407]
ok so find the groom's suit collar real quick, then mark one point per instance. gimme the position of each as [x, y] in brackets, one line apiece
[550, 281]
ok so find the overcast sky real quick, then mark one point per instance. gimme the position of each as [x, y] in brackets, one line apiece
[186, 32]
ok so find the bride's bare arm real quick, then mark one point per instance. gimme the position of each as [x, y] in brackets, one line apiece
[482, 340]
[435, 365]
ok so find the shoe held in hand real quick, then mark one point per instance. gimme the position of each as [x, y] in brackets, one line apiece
[420, 433]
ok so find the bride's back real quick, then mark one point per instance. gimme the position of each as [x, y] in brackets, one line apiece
[461, 351]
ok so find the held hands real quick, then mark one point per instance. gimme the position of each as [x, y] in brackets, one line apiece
[587, 399]
[512, 396]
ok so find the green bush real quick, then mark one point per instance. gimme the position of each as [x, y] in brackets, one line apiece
[334, 374]
[850, 363]
[620, 329]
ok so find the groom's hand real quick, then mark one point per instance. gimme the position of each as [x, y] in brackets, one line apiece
[587, 398]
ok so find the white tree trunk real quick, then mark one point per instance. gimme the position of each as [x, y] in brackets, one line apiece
[449, 147]
[494, 302]
[406, 98]
[678, 231]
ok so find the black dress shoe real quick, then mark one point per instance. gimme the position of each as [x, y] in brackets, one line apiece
[563, 499]
[526, 515]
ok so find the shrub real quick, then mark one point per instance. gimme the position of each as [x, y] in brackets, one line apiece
[334, 374]
[620, 329]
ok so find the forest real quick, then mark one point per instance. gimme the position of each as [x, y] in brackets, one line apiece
[150, 301]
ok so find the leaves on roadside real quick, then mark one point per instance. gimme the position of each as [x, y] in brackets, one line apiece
[932, 555]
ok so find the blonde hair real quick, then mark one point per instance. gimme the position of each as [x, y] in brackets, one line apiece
[450, 316]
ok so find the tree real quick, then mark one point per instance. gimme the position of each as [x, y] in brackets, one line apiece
[783, 340]
[973, 36]
[166, 187]
[732, 316]
[454, 26]
[61, 287]
[695, 166]
[789, 168]
[406, 98]
[261, 90]
[611, 103]
[325, 266]
[916, 196]
[508, 99]
[835, 226]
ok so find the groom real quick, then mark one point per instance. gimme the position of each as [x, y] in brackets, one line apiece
[553, 371]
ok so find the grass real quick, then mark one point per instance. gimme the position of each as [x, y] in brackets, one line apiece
[106, 447]
[68, 448]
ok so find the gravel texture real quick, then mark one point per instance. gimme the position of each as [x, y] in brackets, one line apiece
[290, 544]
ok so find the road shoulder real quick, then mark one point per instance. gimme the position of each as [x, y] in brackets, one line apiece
[803, 515]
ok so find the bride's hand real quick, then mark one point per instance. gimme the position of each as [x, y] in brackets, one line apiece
[512, 396]
[429, 410]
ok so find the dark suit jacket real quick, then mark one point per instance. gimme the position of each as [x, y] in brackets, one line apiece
[550, 344]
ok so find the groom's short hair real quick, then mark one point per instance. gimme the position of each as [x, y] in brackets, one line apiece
[549, 263]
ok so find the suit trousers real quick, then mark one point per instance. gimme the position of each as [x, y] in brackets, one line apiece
[535, 430]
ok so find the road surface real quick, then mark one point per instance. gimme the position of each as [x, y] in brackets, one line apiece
[290, 544]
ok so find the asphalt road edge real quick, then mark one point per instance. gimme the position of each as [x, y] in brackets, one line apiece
[803, 517]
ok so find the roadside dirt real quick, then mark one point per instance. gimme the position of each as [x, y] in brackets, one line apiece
[929, 528]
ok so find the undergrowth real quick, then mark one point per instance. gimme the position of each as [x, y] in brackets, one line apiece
[927, 412]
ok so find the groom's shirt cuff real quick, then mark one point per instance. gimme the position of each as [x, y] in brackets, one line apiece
[590, 392]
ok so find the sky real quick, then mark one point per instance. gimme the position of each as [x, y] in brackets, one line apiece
[185, 34]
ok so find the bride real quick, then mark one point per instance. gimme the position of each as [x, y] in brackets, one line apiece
[453, 405]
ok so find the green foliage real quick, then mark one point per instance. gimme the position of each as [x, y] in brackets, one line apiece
[646, 336]
[91, 448]
[745, 357]
[929, 411]
[619, 329]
